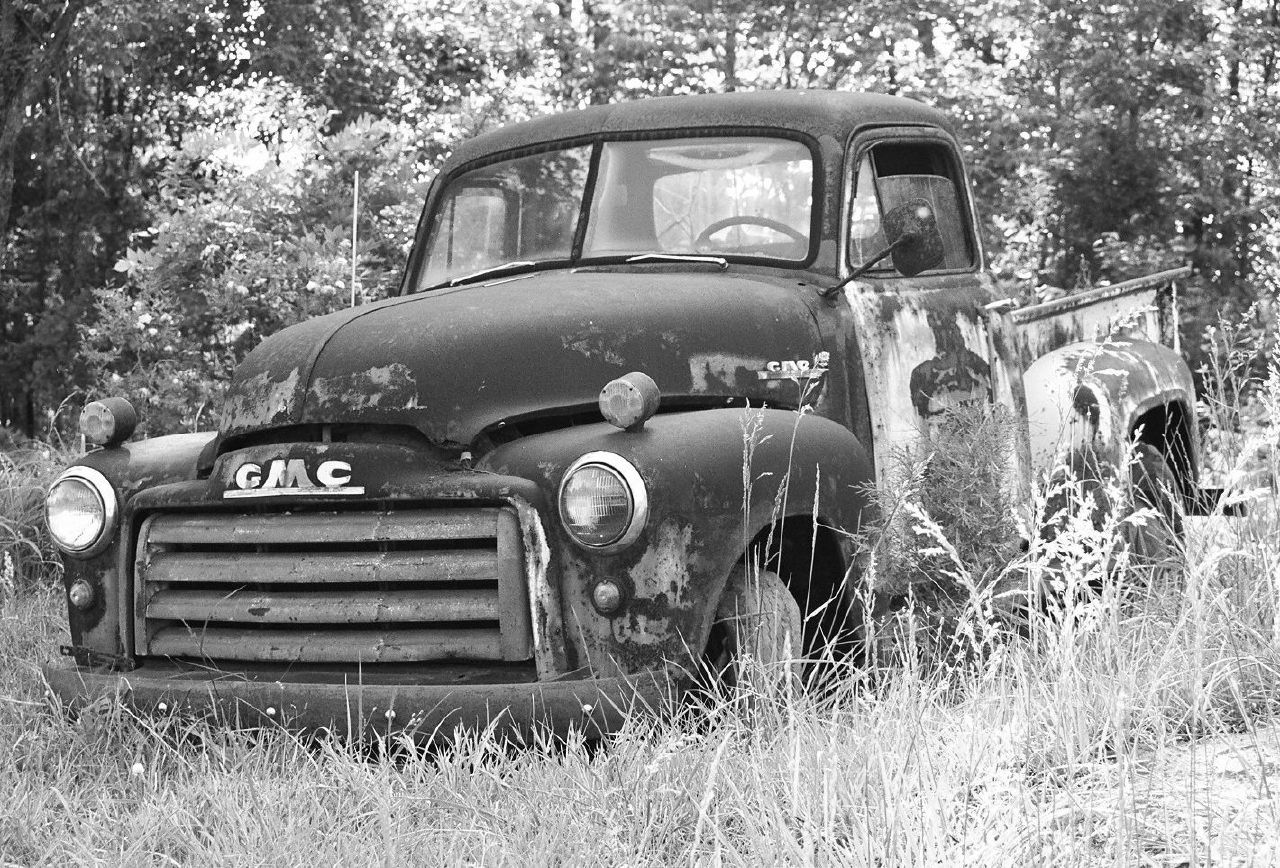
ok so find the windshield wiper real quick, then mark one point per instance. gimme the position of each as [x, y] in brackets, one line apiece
[680, 257]
[493, 269]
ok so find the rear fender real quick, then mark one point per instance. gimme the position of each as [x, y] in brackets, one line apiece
[715, 480]
[1101, 396]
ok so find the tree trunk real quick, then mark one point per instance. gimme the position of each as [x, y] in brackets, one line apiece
[33, 38]
[731, 51]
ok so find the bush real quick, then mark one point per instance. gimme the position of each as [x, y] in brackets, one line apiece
[949, 536]
[251, 233]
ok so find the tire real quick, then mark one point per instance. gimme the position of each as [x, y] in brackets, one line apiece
[1147, 551]
[1155, 544]
[757, 639]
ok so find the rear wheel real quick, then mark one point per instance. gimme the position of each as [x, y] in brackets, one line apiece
[1154, 542]
[1146, 550]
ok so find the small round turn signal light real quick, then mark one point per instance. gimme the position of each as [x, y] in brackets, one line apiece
[81, 594]
[630, 400]
[606, 596]
[108, 422]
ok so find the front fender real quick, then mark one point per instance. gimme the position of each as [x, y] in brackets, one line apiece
[131, 467]
[1091, 395]
[715, 478]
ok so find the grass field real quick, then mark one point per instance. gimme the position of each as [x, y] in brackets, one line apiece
[1121, 731]
[1072, 749]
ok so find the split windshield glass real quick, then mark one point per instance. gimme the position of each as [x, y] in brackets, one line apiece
[737, 197]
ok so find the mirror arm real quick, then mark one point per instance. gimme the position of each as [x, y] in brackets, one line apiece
[866, 266]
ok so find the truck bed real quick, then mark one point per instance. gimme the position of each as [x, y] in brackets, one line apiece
[1149, 304]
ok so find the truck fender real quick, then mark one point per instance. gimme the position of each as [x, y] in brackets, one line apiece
[715, 479]
[1102, 396]
[96, 632]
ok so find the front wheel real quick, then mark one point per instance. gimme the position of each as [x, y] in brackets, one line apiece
[757, 639]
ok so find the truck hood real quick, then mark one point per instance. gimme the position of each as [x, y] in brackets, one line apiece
[454, 362]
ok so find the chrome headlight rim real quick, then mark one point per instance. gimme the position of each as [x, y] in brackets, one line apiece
[106, 494]
[631, 478]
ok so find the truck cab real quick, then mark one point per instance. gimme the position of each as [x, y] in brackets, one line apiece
[639, 352]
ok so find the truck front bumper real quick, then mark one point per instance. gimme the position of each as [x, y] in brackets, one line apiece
[595, 706]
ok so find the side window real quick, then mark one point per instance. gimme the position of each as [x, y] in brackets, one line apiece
[892, 173]
[478, 215]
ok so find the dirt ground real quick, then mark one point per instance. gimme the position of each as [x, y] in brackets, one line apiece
[1212, 801]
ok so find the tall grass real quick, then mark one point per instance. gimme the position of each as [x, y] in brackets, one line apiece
[1036, 756]
[27, 555]
[1057, 739]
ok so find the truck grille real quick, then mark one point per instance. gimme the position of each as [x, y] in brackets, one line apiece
[390, 586]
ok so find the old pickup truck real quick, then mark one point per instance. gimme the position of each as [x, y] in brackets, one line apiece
[640, 353]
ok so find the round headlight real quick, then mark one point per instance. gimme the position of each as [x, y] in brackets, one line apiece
[603, 501]
[80, 510]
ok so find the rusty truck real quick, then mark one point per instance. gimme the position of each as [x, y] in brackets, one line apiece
[525, 488]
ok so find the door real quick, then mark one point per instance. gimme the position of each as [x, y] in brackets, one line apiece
[927, 344]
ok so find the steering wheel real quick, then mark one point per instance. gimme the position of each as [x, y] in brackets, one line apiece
[747, 220]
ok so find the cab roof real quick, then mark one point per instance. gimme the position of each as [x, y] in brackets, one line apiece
[817, 113]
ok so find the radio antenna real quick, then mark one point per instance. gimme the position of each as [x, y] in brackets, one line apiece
[355, 229]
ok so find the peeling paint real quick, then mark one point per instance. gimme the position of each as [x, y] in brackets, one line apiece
[719, 373]
[1122, 378]
[596, 343]
[262, 400]
[664, 564]
[924, 348]
[645, 631]
[662, 590]
[452, 364]
[544, 598]
[382, 387]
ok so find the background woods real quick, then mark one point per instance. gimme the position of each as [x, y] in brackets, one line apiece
[176, 177]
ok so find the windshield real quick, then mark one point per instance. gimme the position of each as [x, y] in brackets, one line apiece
[730, 196]
[525, 209]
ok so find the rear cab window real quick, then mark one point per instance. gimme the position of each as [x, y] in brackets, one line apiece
[890, 173]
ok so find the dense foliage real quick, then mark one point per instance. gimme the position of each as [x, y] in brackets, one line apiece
[182, 172]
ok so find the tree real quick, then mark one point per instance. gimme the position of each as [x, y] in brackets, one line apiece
[137, 80]
[33, 42]
[1103, 140]
[250, 233]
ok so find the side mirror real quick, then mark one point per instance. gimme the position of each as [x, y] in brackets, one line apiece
[912, 232]
[914, 243]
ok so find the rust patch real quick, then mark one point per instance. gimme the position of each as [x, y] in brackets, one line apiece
[596, 343]
[389, 386]
[948, 381]
[260, 400]
[544, 599]
[721, 372]
[662, 591]
[1085, 403]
